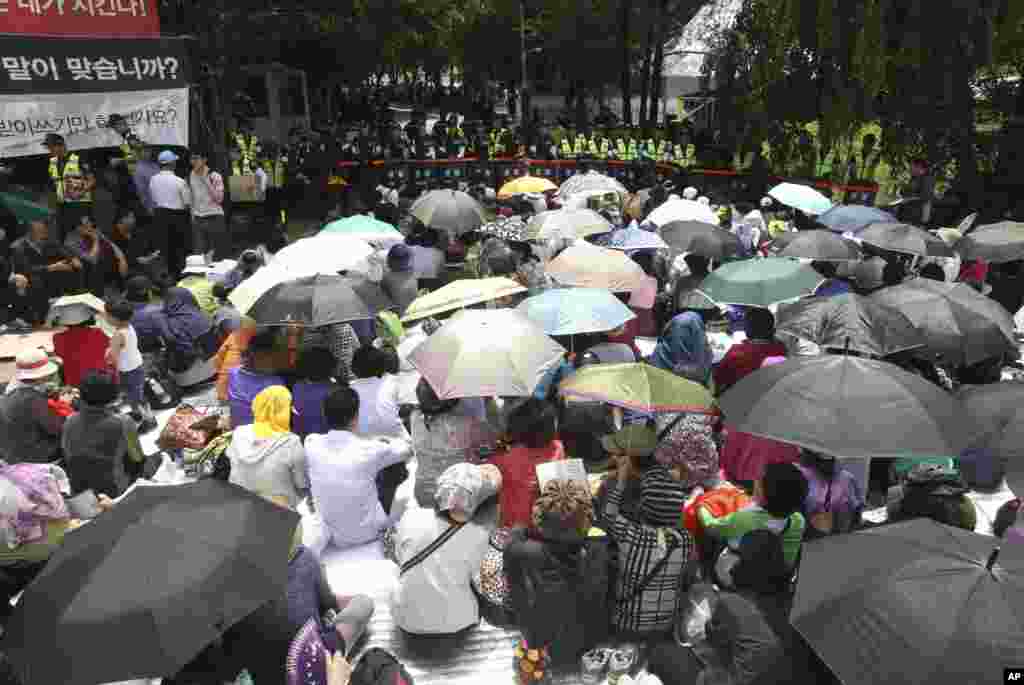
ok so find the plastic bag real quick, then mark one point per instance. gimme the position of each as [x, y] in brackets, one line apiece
[700, 603]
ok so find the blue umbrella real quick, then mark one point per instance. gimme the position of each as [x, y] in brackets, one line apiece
[853, 218]
[805, 198]
[568, 311]
[635, 238]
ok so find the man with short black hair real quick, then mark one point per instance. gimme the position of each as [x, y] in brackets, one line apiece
[209, 229]
[343, 471]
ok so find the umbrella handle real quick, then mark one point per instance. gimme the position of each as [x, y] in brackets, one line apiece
[992, 559]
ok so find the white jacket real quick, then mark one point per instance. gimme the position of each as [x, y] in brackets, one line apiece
[271, 467]
[435, 597]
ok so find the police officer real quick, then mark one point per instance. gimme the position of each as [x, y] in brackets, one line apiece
[565, 148]
[248, 148]
[73, 183]
[580, 145]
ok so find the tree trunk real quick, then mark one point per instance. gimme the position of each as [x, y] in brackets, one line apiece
[645, 75]
[657, 68]
[627, 63]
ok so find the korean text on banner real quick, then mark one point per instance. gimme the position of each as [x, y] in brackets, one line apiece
[159, 117]
[72, 65]
[80, 17]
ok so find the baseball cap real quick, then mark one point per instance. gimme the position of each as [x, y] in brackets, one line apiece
[166, 157]
[53, 139]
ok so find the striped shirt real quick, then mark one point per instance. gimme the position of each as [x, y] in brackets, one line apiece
[641, 547]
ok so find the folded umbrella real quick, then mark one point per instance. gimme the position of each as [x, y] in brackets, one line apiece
[916, 603]
[588, 266]
[365, 227]
[853, 218]
[319, 301]
[460, 294]
[821, 246]
[635, 238]
[486, 353]
[682, 210]
[906, 239]
[995, 243]
[852, 322]
[638, 387]
[760, 282]
[525, 184]
[805, 198]
[566, 224]
[568, 311]
[590, 181]
[449, 210]
[704, 239]
[848, 407]
[146, 586]
[958, 322]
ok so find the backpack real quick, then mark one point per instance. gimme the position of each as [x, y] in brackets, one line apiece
[934, 492]
[160, 390]
[759, 563]
[378, 667]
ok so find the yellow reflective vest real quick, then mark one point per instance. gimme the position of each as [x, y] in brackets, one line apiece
[72, 170]
[580, 146]
[276, 170]
[621, 150]
[498, 141]
[248, 148]
[633, 153]
[565, 149]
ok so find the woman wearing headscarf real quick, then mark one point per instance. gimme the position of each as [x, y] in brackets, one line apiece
[683, 348]
[266, 457]
[184, 329]
[445, 432]
[434, 595]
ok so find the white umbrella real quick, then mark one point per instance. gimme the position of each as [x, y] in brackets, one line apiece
[588, 266]
[326, 253]
[449, 210]
[566, 224]
[486, 353]
[591, 181]
[804, 198]
[682, 210]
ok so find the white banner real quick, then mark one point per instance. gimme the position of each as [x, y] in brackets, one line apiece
[158, 117]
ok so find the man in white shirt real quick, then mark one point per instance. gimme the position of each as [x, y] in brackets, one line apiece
[378, 388]
[171, 201]
[343, 470]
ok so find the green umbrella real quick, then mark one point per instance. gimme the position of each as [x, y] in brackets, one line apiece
[760, 282]
[23, 209]
[638, 387]
[365, 227]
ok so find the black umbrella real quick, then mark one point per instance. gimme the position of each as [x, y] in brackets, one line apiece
[848, 407]
[700, 238]
[320, 300]
[958, 322]
[906, 239]
[912, 603]
[850, 321]
[997, 243]
[143, 588]
[822, 246]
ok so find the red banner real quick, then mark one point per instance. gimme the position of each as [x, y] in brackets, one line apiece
[80, 17]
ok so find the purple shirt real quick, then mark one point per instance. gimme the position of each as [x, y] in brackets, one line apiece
[144, 172]
[844, 496]
[243, 386]
[308, 401]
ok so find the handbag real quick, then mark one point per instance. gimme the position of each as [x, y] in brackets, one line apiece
[420, 556]
[179, 434]
[490, 581]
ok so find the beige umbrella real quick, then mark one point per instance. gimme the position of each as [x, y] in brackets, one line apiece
[588, 266]
[459, 294]
[486, 353]
[566, 224]
[449, 210]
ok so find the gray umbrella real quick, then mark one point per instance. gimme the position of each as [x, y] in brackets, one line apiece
[450, 210]
[852, 322]
[958, 322]
[906, 239]
[849, 407]
[821, 246]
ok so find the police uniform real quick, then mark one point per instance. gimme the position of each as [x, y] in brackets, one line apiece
[74, 199]
[248, 146]
[565, 150]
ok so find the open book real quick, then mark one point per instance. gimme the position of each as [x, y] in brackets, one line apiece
[566, 469]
